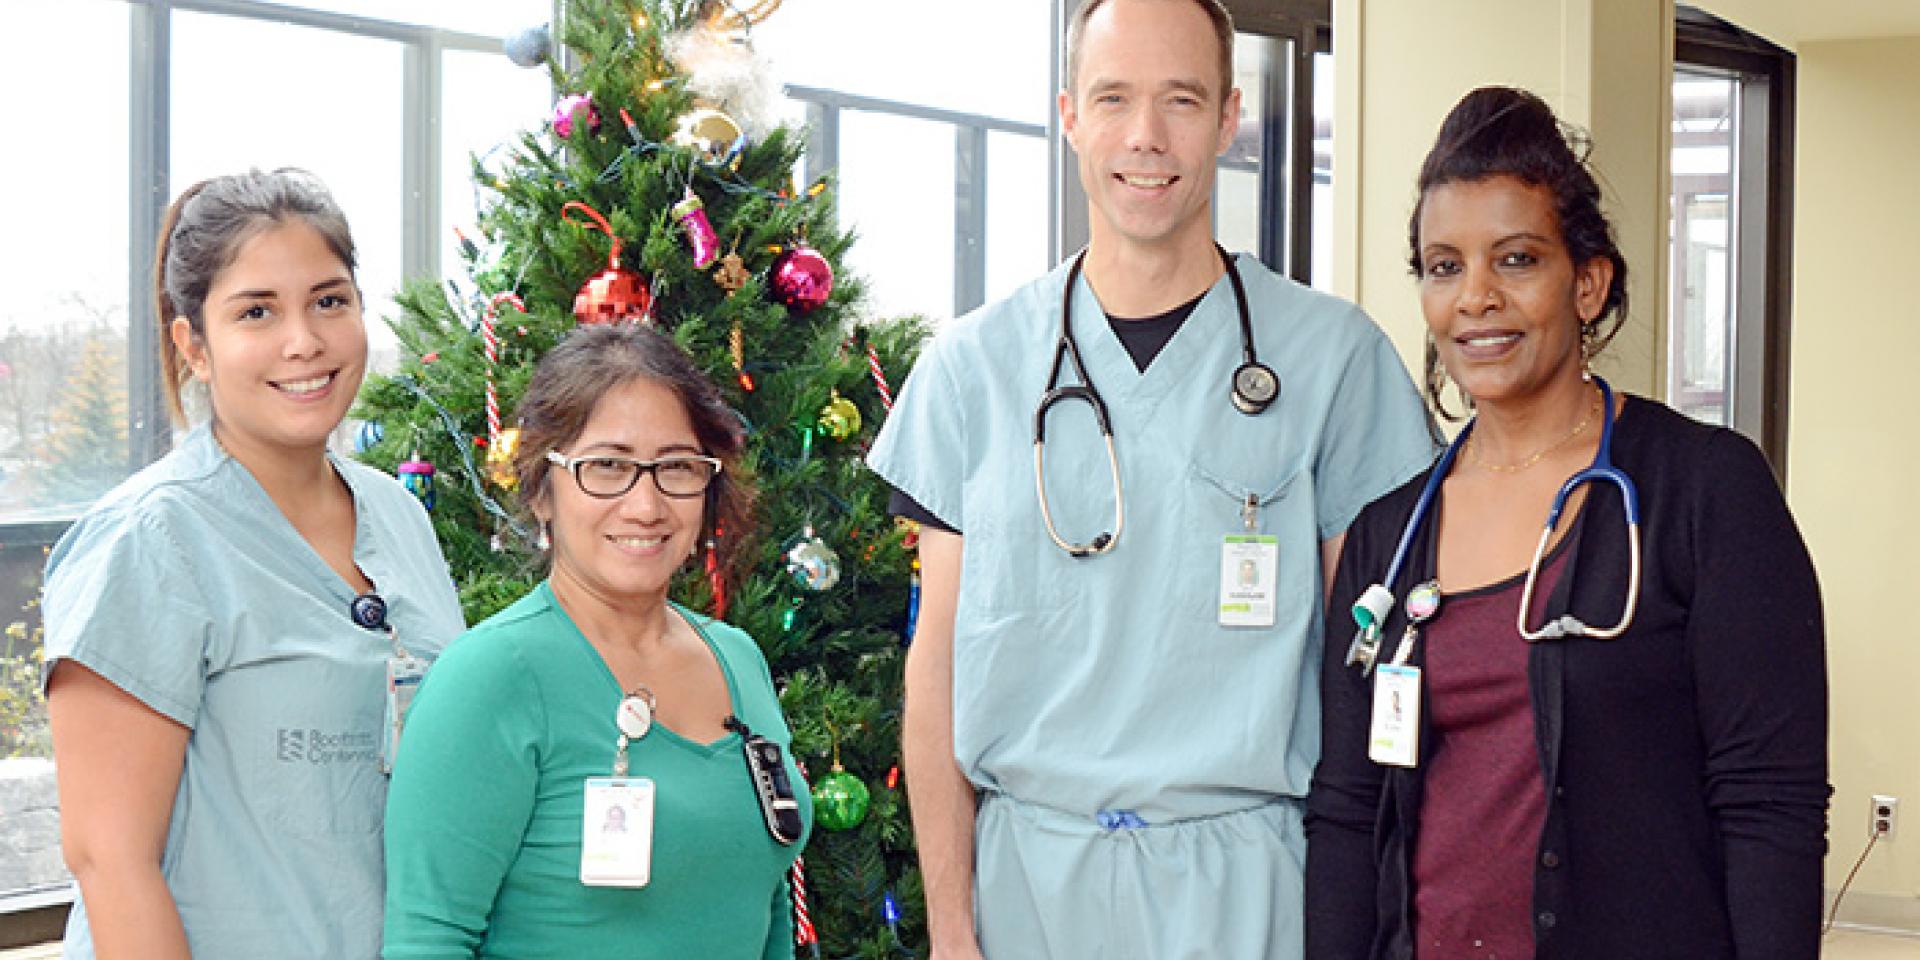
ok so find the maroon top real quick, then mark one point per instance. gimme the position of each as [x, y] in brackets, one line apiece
[1484, 804]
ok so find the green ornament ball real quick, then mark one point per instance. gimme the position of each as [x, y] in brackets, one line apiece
[840, 801]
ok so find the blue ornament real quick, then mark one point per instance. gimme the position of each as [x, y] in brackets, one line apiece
[368, 436]
[417, 476]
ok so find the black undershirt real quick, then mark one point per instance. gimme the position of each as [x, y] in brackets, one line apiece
[1143, 340]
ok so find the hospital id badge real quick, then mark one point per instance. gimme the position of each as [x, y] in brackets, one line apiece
[404, 673]
[616, 832]
[1249, 570]
[1394, 737]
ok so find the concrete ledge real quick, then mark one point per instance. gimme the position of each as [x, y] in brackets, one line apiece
[30, 856]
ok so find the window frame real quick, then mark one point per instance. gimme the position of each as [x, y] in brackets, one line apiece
[1763, 230]
[1286, 208]
[37, 915]
[970, 168]
[150, 434]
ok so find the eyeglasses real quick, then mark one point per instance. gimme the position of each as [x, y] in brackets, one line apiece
[609, 477]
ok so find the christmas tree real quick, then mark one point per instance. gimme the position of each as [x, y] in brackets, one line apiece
[654, 194]
[86, 451]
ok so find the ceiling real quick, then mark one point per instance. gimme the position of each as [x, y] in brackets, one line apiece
[1791, 23]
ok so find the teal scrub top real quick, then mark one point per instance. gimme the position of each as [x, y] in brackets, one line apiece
[1106, 683]
[484, 826]
[1141, 767]
[188, 588]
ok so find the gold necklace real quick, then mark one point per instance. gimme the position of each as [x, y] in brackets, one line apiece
[1473, 446]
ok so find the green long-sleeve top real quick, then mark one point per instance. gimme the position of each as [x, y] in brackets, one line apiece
[484, 814]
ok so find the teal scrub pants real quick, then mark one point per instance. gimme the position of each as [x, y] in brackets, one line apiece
[1055, 885]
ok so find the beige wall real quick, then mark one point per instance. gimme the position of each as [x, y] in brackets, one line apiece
[1401, 64]
[1606, 65]
[1852, 456]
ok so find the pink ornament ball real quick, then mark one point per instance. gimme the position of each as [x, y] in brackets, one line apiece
[802, 279]
[569, 108]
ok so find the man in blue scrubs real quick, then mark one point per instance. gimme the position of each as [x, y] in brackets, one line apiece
[1107, 754]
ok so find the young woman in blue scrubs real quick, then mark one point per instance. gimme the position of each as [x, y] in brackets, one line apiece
[219, 714]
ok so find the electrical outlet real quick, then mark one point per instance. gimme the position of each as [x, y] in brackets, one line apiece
[1883, 816]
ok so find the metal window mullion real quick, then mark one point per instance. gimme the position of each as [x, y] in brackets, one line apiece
[420, 160]
[823, 139]
[1300, 155]
[149, 146]
[1068, 226]
[1275, 196]
[1747, 361]
[336, 22]
[912, 111]
[969, 217]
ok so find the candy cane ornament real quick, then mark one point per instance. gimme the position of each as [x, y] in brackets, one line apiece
[879, 378]
[803, 933]
[490, 339]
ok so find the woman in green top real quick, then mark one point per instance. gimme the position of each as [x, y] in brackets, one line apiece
[491, 821]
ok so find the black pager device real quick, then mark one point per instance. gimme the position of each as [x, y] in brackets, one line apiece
[768, 770]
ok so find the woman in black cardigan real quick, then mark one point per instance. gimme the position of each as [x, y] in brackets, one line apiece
[1661, 794]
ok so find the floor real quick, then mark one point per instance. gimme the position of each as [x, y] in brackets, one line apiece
[1840, 945]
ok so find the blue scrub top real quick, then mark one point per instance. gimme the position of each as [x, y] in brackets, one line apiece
[189, 589]
[1107, 683]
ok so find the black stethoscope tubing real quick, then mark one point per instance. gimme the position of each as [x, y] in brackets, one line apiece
[1253, 388]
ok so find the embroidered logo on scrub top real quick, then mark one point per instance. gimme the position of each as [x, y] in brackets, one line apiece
[319, 747]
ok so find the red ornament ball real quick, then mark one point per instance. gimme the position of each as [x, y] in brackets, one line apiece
[802, 279]
[570, 108]
[613, 295]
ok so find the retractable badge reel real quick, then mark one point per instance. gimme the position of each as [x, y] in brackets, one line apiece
[1394, 737]
[616, 821]
[404, 671]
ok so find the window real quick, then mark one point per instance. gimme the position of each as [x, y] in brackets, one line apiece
[343, 126]
[63, 323]
[1729, 239]
[1705, 120]
[1274, 194]
[940, 153]
[1320, 236]
[63, 350]
[384, 99]
[933, 141]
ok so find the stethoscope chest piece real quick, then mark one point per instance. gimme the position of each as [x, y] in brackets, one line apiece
[1255, 387]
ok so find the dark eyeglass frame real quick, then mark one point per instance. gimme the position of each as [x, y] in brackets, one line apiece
[572, 465]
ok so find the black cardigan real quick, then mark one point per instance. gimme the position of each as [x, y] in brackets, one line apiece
[1685, 763]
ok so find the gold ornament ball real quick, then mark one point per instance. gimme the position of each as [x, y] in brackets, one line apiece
[840, 418]
[500, 460]
[708, 131]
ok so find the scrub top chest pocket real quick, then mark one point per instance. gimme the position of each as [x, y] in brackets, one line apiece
[1260, 534]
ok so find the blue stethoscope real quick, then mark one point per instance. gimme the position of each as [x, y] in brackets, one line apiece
[1370, 611]
[1254, 387]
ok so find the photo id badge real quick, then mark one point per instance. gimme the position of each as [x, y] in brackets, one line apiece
[404, 674]
[1249, 568]
[616, 832]
[1394, 739]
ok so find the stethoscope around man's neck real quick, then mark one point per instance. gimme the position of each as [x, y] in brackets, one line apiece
[1254, 387]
